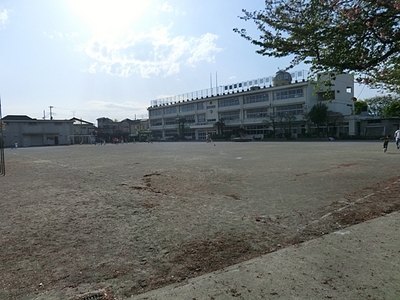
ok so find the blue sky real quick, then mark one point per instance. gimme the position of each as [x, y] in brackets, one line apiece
[96, 58]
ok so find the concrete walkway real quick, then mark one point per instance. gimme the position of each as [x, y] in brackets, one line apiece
[359, 262]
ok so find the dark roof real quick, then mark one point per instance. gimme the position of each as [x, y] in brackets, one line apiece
[77, 121]
[105, 118]
[17, 118]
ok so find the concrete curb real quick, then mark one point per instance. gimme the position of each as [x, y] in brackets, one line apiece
[359, 262]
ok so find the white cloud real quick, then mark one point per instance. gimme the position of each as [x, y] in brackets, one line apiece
[48, 35]
[3, 16]
[153, 53]
[166, 7]
[70, 35]
[114, 106]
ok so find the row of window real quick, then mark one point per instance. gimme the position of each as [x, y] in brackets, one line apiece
[296, 109]
[234, 101]
[233, 115]
[288, 94]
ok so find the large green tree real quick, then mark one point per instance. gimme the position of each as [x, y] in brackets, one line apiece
[333, 36]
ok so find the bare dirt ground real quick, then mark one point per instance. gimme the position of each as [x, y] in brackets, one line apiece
[108, 222]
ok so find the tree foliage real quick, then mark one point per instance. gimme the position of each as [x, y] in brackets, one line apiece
[220, 126]
[272, 120]
[393, 109]
[319, 114]
[359, 105]
[334, 36]
[376, 105]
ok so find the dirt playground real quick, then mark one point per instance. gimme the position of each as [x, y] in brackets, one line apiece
[108, 222]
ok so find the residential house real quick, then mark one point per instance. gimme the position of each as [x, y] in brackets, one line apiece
[82, 127]
[26, 131]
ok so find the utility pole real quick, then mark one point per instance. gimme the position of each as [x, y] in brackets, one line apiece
[51, 114]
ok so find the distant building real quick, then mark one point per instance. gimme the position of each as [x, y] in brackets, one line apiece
[259, 108]
[130, 129]
[28, 132]
[107, 129]
[82, 127]
[375, 127]
[127, 129]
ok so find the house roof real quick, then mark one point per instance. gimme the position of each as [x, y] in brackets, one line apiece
[80, 122]
[17, 118]
[24, 118]
[105, 119]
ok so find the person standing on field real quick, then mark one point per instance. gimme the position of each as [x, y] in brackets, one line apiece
[397, 138]
[385, 142]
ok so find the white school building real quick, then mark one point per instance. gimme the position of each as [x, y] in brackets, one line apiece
[255, 108]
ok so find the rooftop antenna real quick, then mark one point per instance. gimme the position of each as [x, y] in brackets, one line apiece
[51, 114]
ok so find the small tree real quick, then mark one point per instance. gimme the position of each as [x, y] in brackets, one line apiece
[334, 117]
[181, 127]
[359, 105]
[318, 114]
[281, 119]
[220, 126]
[289, 118]
[272, 118]
[266, 125]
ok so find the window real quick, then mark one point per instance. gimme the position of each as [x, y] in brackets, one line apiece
[155, 112]
[170, 121]
[261, 97]
[296, 109]
[230, 115]
[190, 119]
[156, 122]
[186, 108]
[256, 113]
[200, 106]
[201, 118]
[289, 94]
[170, 110]
[228, 102]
